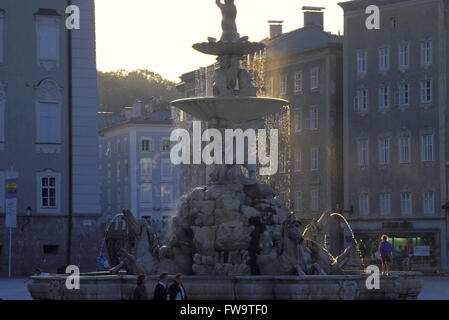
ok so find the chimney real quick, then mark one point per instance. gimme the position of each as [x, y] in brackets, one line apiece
[313, 16]
[275, 28]
[137, 109]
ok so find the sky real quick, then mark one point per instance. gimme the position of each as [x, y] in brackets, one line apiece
[158, 34]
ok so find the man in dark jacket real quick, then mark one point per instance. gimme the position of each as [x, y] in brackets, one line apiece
[161, 290]
[140, 293]
[177, 290]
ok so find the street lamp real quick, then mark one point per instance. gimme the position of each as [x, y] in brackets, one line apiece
[28, 212]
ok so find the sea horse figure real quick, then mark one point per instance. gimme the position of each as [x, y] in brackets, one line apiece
[229, 12]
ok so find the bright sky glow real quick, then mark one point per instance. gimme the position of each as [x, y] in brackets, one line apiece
[158, 34]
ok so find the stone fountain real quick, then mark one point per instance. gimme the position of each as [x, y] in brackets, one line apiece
[233, 238]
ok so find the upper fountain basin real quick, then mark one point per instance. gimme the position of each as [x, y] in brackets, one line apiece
[233, 109]
[228, 48]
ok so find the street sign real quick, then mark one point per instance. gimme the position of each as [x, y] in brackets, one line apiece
[421, 251]
[11, 189]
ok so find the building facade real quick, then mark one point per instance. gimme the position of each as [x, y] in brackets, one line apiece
[136, 170]
[395, 127]
[305, 67]
[48, 135]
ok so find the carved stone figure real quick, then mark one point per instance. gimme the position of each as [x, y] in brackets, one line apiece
[229, 12]
[145, 257]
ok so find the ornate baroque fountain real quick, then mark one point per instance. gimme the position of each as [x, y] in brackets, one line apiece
[233, 238]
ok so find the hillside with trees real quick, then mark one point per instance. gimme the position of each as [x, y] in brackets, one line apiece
[119, 89]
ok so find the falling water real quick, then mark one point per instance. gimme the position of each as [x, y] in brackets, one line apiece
[107, 230]
[324, 249]
[353, 237]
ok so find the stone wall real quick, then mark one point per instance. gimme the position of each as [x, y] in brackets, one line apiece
[32, 234]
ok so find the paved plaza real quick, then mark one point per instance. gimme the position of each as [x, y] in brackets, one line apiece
[435, 288]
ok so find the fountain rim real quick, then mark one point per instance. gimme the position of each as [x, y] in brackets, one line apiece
[233, 98]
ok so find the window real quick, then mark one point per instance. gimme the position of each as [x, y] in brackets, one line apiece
[404, 94]
[167, 193]
[48, 191]
[361, 61]
[314, 78]
[146, 167]
[361, 100]
[2, 191]
[165, 145]
[384, 59]
[109, 173]
[406, 203]
[384, 151]
[146, 194]
[404, 149]
[297, 118]
[117, 147]
[427, 148]
[125, 145]
[426, 53]
[314, 159]
[313, 118]
[146, 145]
[314, 206]
[283, 85]
[404, 55]
[298, 200]
[364, 204]
[394, 23]
[126, 169]
[47, 34]
[429, 201]
[48, 112]
[385, 203]
[426, 91]
[166, 168]
[282, 162]
[298, 82]
[269, 87]
[297, 161]
[48, 123]
[2, 111]
[384, 97]
[362, 148]
[2, 13]
[118, 170]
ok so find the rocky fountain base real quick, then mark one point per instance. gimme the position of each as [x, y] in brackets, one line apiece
[397, 286]
[249, 242]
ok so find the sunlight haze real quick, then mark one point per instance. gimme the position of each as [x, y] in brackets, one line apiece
[158, 35]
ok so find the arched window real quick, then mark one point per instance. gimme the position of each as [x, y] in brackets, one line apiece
[48, 101]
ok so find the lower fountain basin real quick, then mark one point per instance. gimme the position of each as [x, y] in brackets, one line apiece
[97, 286]
[233, 109]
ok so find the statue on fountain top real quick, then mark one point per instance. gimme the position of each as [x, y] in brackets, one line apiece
[229, 12]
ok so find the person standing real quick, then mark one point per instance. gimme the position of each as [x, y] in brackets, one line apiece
[177, 291]
[161, 290]
[140, 293]
[385, 250]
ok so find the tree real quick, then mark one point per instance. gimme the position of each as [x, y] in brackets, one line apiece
[121, 88]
